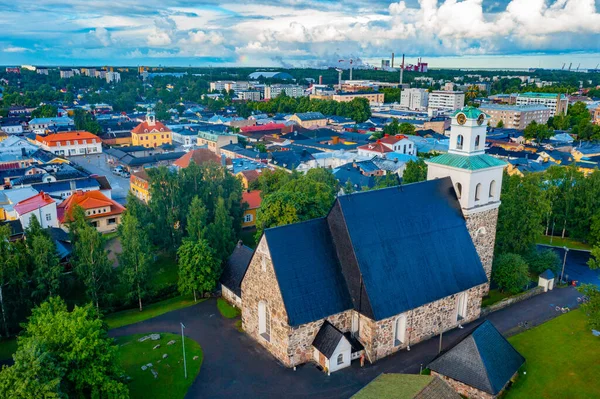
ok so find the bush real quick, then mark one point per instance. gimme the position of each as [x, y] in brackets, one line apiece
[510, 273]
[539, 261]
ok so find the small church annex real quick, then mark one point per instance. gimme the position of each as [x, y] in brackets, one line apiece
[385, 269]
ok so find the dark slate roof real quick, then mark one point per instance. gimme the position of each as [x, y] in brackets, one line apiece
[15, 226]
[484, 360]
[547, 274]
[347, 173]
[235, 268]
[327, 339]
[289, 159]
[307, 270]
[416, 253]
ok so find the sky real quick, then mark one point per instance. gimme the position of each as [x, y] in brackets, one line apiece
[300, 33]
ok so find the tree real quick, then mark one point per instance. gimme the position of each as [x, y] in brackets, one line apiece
[220, 234]
[591, 308]
[387, 180]
[64, 354]
[538, 132]
[135, 258]
[9, 266]
[89, 258]
[407, 128]
[199, 267]
[46, 266]
[415, 171]
[392, 128]
[540, 261]
[349, 187]
[500, 124]
[510, 272]
[45, 111]
[196, 220]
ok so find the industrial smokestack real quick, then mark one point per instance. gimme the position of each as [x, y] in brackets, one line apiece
[320, 79]
[402, 71]
[392, 60]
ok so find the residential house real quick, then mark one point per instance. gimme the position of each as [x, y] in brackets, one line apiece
[102, 212]
[253, 199]
[42, 206]
[139, 185]
[9, 198]
[151, 133]
[199, 156]
[248, 176]
[479, 366]
[389, 144]
[215, 140]
[42, 125]
[309, 119]
[70, 143]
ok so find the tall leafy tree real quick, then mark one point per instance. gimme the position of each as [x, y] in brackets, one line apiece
[9, 266]
[510, 272]
[197, 220]
[220, 234]
[199, 267]
[591, 308]
[135, 258]
[415, 171]
[64, 354]
[47, 269]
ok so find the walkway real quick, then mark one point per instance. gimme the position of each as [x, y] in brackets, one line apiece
[235, 366]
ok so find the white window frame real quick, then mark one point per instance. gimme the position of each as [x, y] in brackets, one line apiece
[264, 321]
[400, 330]
[462, 302]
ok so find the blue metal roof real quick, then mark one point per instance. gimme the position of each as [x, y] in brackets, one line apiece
[307, 270]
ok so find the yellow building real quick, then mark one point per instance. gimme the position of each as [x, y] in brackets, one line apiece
[151, 133]
[373, 98]
[252, 198]
[139, 185]
[247, 177]
[309, 119]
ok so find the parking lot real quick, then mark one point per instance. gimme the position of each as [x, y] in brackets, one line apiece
[96, 164]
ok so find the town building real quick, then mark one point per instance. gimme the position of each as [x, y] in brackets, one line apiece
[101, 212]
[290, 90]
[249, 95]
[42, 206]
[70, 143]
[41, 125]
[66, 73]
[374, 98]
[10, 198]
[113, 77]
[414, 99]
[247, 177]
[446, 100]
[388, 145]
[558, 103]
[595, 116]
[253, 199]
[215, 140]
[151, 133]
[139, 185]
[516, 116]
[309, 119]
[229, 85]
[199, 156]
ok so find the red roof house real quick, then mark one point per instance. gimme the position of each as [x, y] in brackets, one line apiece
[101, 211]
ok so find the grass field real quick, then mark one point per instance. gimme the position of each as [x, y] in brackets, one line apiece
[562, 360]
[493, 297]
[131, 316]
[170, 382]
[563, 242]
[226, 309]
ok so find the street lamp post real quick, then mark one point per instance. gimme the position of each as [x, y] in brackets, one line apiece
[183, 345]
[564, 262]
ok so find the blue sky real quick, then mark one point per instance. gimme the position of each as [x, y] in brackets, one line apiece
[446, 33]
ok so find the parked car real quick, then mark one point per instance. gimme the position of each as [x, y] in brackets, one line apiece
[118, 170]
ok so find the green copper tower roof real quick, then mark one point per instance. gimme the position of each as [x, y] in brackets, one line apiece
[473, 162]
[470, 112]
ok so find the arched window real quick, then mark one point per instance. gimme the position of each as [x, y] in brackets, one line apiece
[400, 330]
[340, 359]
[458, 190]
[461, 306]
[459, 142]
[264, 320]
[492, 188]
[478, 192]
[477, 142]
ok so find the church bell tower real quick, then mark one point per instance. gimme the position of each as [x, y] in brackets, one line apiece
[476, 177]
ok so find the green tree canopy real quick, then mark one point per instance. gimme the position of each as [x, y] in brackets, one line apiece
[199, 267]
[510, 272]
[415, 171]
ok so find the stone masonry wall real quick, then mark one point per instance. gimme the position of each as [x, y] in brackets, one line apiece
[464, 389]
[482, 227]
[421, 323]
[259, 285]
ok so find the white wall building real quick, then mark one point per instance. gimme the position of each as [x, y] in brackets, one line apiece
[42, 206]
[414, 99]
[273, 91]
[113, 77]
[446, 100]
[229, 85]
[558, 103]
[70, 143]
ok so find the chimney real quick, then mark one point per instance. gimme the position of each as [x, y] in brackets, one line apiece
[72, 185]
[335, 139]
[320, 79]
[240, 243]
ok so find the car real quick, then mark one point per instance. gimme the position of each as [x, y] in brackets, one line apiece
[125, 174]
[118, 170]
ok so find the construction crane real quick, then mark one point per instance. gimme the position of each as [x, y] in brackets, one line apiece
[350, 61]
[570, 65]
[577, 70]
[562, 69]
[339, 71]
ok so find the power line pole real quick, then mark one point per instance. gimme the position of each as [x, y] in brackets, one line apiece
[183, 346]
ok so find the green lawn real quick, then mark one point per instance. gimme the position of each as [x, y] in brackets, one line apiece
[493, 297]
[7, 348]
[226, 309]
[170, 382]
[563, 242]
[131, 316]
[562, 360]
[163, 271]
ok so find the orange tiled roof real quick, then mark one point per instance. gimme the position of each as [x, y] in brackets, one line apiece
[30, 204]
[392, 139]
[252, 198]
[52, 140]
[250, 175]
[88, 200]
[375, 147]
[200, 156]
[144, 127]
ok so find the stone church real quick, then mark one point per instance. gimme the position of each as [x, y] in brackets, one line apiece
[385, 269]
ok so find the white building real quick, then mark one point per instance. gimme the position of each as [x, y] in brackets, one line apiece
[446, 100]
[12, 127]
[516, 116]
[251, 95]
[414, 99]
[39, 125]
[399, 144]
[229, 85]
[273, 91]
[558, 103]
[42, 206]
[70, 143]
[113, 77]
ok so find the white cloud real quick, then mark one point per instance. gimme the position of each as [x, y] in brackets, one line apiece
[397, 8]
[14, 49]
[103, 36]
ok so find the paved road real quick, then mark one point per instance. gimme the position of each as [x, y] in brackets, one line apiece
[576, 267]
[235, 366]
[96, 164]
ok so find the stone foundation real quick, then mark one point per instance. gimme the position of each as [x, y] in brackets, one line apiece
[482, 227]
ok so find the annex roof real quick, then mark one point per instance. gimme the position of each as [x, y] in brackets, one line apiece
[199, 156]
[235, 267]
[327, 339]
[473, 162]
[31, 204]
